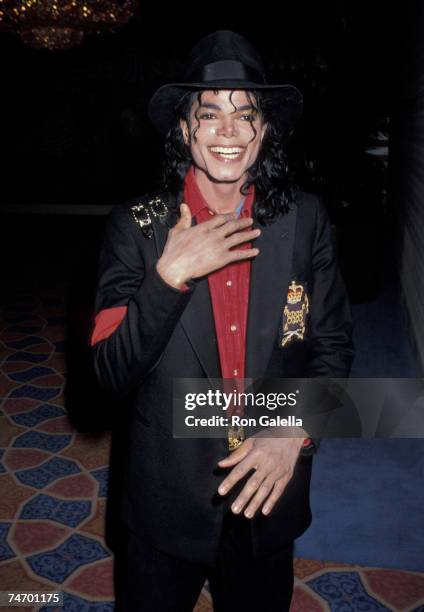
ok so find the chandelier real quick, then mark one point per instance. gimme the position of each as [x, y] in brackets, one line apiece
[61, 24]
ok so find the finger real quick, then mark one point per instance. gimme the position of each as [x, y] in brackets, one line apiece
[240, 453]
[184, 222]
[250, 488]
[234, 225]
[261, 494]
[219, 220]
[236, 474]
[240, 237]
[239, 255]
[277, 491]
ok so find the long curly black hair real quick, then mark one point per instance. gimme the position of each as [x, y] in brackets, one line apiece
[273, 187]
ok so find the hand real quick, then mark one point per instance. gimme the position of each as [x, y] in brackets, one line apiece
[191, 252]
[273, 460]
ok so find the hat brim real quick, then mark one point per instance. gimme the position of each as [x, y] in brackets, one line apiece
[161, 109]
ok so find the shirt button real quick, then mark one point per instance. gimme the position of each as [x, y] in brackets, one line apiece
[235, 372]
[233, 328]
[229, 283]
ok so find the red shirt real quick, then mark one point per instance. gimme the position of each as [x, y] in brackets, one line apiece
[228, 286]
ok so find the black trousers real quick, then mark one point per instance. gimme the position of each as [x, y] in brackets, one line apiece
[147, 580]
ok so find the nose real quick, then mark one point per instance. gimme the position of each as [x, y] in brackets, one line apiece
[227, 127]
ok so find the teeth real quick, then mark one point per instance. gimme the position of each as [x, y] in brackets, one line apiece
[227, 150]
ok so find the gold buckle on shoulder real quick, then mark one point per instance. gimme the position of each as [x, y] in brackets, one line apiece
[143, 214]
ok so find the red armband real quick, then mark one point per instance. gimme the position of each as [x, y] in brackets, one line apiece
[106, 322]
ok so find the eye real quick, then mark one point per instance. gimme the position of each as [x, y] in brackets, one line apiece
[248, 117]
[207, 116]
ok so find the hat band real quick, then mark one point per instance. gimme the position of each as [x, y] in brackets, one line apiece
[226, 70]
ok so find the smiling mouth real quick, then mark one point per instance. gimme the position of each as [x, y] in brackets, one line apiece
[227, 153]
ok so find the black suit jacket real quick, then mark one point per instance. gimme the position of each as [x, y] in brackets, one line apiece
[170, 485]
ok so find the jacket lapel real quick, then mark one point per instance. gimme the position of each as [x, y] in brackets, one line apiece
[269, 281]
[198, 323]
[197, 319]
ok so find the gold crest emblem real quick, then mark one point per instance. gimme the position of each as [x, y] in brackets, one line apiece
[294, 314]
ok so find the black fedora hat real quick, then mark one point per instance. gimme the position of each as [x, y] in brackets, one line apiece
[223, 60]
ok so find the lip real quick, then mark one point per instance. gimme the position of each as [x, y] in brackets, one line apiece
[226, 160]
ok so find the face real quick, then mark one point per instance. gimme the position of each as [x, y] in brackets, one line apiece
[226, 136]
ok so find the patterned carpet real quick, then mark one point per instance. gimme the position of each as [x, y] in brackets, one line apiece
[54, 480]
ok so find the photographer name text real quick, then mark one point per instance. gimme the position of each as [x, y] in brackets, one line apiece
[239, 421]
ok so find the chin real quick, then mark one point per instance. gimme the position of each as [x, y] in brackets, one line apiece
[224, 177]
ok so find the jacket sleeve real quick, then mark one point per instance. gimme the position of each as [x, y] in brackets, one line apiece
[148, 308]
[330, 351]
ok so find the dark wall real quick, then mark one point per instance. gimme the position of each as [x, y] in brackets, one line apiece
[407, 171]
[74, 122]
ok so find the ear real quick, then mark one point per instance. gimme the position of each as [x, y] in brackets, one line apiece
[185, 131]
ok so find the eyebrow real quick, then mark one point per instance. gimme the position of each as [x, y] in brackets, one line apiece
[217, 107]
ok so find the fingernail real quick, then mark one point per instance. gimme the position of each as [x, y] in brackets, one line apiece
[222, 490]
[248, 514]
[265, 510]
[235, 508]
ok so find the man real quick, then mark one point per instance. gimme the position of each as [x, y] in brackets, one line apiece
[196, 282]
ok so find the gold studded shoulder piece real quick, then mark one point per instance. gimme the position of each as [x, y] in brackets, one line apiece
[144, 214]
